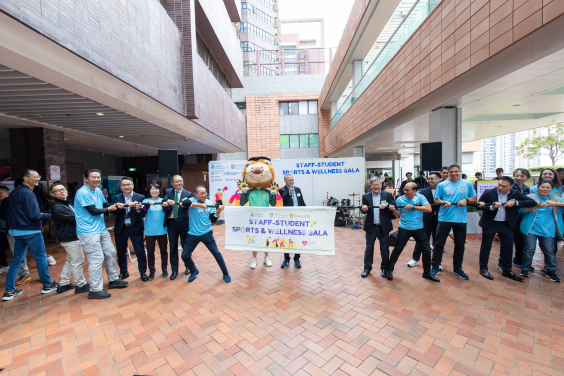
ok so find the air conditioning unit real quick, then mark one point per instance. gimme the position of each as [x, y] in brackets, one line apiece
[277, 39]
[275, 7]
[237, 27]
[276, 23]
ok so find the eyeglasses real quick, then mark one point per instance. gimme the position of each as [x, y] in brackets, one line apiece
[59, 190]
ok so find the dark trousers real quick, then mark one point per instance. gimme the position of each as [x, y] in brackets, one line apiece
[138, 247]
[175, 231]
[421, 240]
[296, 256]
[506, 244]
[430, 229]
[519, 243]
[150, 242]
[384, 238]
[192, 242]
[459, 232]
[4, 245]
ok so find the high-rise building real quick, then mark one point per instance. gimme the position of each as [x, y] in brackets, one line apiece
[259, 32]
[303, 46]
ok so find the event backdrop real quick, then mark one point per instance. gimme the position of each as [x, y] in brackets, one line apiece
[289, 230]
[489, 184]
[316, 177]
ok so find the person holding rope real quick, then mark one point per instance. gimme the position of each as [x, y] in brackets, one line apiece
[500, 218]
[411, 225]
[377, 225]
[455, 194]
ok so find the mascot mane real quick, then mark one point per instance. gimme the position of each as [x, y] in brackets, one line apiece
[259, 180]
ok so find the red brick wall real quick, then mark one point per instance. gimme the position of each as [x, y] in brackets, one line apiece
[457, 36]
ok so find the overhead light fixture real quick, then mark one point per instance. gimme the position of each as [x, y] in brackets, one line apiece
[516, 105]
[99, 114]
[120, 136]
[38, 116]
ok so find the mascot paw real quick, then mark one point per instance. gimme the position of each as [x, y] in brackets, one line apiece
[243, 185]
[273, 187]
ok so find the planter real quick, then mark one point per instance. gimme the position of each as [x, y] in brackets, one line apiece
[473, 226]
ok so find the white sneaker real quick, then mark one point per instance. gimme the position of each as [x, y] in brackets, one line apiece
[440, 268]
[4, 269]
[254, 263]
[51, 261]
[267, 261]
[412, 263]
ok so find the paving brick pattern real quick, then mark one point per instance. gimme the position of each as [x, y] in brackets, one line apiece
[322, 319]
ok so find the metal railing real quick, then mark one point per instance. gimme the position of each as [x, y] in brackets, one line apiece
[288, 61]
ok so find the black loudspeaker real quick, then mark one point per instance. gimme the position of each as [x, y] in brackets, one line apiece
[431, 156]
[168, 162]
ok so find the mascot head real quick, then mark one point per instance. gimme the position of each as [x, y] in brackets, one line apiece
[258, 172]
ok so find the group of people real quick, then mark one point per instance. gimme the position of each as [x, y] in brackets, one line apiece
[82, 232]
[518, 215]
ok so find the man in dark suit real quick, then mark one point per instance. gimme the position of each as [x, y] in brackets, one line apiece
[378, 224]
[291, 196]
[177, 224]
[500, 219]
[430, 220]
[408, 179]
[129, 225]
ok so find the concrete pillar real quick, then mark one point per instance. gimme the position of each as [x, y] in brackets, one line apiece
[333, 109]
[357, 72]
[358, 151]
[445, 125]
[396, 173]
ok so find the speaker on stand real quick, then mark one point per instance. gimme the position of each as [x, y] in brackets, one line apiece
[431, 156]
[168, 165]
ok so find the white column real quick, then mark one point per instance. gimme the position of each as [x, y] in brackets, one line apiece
[333, 109]
[396, 173]
[445, 125]
[357, 72]
[358, 151]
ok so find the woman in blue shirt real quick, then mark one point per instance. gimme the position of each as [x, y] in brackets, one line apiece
[155, 230]
[549, 174]
[542, 222]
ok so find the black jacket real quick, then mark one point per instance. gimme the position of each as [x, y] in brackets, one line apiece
[490, 196]
[136, 219]
[182, 211]
[386, 215]
[428, 193]
[404, 183]
[23, 210]
[65, 221]
[287, 198]
[4, 209]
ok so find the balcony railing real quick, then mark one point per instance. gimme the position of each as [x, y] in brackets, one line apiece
[416, 16]
[288, 61]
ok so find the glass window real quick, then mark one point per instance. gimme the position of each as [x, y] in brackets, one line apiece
[283, 108]
[284, 141]
[314, 140]
[304, 143]
[302, 67]
[293, 108]
[303, 107]
[294, 141]
[312, 107]
[302, 54]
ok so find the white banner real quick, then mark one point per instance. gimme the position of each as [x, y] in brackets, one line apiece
[305, 230]
[483, 185]
[316, 177]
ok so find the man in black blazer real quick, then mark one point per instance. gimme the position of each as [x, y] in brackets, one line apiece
[430, 220]
[177, 224]
[291, 196]
[378, 224]
[500, 219]
[129, 225]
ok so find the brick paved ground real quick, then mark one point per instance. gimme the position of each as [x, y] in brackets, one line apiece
[322, 319]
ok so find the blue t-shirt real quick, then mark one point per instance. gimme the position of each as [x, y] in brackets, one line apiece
[22, 232]
[556, 191]
[411, 219]
[454, 192]
[86, 223]
[200, 222]
[544, 221]
[154, 219]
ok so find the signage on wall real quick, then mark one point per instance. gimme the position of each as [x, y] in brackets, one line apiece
[55, 172]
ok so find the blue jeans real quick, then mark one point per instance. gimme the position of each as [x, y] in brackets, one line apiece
[546, 245]
[37, 247]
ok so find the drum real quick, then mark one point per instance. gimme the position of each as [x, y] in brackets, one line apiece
[333, 202]
[339, 218]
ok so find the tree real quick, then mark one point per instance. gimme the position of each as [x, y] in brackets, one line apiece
[549, 142]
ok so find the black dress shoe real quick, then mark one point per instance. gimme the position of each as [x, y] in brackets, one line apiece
[365, 273]
[144, 277]
[512, 276]
[165, 273]
[430, 277]
[484, 273]
[384, 274]
[124, 276]
[187, 272]
[389, 275]
[173, 276]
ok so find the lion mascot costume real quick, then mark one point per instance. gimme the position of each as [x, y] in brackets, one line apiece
[258, 189]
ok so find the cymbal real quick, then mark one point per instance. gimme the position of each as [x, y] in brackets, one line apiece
[355, 194]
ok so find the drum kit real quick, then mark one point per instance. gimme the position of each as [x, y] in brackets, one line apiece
[348, 213]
